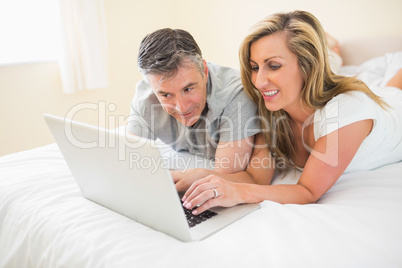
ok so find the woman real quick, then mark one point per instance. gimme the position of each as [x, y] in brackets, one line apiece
[311, 118]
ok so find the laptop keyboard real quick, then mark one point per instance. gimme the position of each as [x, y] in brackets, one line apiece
[193, 220]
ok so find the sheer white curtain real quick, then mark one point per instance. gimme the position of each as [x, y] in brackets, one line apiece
[84, 63]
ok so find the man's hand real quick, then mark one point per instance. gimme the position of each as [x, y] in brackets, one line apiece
[184, 178]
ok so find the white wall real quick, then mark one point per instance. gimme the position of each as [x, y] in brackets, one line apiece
[27, 91]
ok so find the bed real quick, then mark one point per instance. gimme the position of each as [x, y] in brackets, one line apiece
[46, 222]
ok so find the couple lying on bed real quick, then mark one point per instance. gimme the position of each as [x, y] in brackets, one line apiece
[294, 112]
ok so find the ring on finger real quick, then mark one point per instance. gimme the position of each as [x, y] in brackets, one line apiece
[216, 193]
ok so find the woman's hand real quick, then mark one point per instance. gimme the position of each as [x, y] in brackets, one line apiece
[212, 191]
[184, 178]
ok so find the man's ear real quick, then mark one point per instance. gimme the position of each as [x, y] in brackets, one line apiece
[205, 69]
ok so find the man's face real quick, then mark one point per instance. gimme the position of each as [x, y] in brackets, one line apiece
[184, 95]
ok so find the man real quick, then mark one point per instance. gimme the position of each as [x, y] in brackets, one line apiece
[190, 104]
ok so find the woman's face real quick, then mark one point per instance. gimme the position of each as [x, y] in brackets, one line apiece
[276, 73]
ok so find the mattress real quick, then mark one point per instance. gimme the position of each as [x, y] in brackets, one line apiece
[46, 222]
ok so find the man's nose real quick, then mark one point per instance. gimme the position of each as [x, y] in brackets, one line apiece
[182, 104]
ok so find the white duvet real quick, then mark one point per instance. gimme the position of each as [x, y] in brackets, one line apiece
[46, 222]
[375, 72]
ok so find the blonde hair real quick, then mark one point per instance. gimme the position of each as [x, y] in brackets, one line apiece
[305, 38]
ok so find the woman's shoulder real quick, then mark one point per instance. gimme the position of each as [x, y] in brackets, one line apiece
[351, 97]
[342, 110]
[349, 100]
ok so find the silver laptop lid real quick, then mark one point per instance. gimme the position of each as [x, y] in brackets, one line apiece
[123, 173]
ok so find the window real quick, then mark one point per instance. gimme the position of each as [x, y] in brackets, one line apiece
[29, 31]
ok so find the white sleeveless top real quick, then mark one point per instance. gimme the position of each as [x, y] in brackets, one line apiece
[383, 145]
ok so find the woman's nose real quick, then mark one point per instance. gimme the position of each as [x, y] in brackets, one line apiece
[261, 79]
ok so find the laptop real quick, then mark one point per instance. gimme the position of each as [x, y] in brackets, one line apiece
[126, 174]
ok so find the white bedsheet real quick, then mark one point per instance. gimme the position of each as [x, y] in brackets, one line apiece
[46, 222]
[375, 72]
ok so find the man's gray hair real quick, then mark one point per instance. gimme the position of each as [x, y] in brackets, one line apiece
[164, 51]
